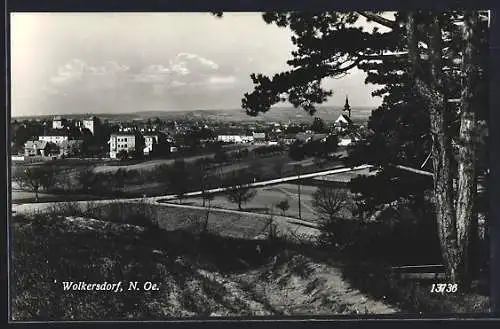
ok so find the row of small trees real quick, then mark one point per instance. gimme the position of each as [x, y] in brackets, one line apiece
[315, 148]
[51, 178]
[35, 178]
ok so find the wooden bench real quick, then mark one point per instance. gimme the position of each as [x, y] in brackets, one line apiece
[420, 272]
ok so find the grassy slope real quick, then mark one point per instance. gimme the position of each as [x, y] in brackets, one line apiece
[198, 275]
[224, 272]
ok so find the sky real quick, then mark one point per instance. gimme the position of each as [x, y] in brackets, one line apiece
[65, 63]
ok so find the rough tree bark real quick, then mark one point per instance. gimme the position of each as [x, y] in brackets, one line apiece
[433, 92]
[457, 229]
[466, 218]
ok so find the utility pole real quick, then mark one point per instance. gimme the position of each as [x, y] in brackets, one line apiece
[298, 167]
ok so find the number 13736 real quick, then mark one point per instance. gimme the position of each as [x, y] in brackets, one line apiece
[444, 288]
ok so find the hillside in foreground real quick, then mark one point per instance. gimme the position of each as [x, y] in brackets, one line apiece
[197, 274]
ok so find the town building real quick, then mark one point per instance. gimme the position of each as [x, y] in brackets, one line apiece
[288, 140]
[91, 124]
[125, 129]
[319, 138]
[129, 142]
[345, 141]
[58, 123]
[237, 139]
[39, 148]
[259, 137]
[349, 139]
[156, 143]
[149, 142]
[56, 138]
[344, 120]
[70, 147]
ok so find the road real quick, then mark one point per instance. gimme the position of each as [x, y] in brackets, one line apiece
[284, 223]
[216, 190]
[270, 182]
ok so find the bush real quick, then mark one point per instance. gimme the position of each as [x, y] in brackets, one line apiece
[412, 295]
[140, 213]
[394, 240]
[283, 205]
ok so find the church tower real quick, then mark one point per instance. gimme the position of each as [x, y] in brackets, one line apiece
[347, 108]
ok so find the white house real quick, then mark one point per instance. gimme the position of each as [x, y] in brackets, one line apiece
[238, 139]
[91, 124]
[57, 123]
[344, 141]
[348, 140]
[149, 142]
[57, 139]
[121, 141]
[259, 135]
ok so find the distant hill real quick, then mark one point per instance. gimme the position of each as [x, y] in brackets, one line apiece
[277, 114]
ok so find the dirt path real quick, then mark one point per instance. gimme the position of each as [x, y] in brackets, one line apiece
[301, 286]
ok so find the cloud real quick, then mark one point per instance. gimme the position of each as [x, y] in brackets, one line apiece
[207, 62]
[154, 73]
[112, 84]
[179, 68]
[69, 72]
[185, 68]
[77, 71]
[216, 80]
[186, 63]
[156, 69]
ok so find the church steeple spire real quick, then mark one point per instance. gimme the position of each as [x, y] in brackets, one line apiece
[347, 108]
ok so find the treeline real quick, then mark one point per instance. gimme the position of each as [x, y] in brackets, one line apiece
[176, 178]
[313, 148]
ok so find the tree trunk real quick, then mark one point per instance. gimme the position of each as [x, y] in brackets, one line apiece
[433, 93]
[443, 178]
[467, 187]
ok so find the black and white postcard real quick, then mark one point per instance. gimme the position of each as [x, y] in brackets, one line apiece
[213, 165]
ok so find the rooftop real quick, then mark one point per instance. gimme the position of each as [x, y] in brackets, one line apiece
[124, 133]
[343, 117]
[37, 144]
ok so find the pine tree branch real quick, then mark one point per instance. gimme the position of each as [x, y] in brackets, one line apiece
[379, 19]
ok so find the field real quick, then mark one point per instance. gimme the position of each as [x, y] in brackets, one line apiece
[266, 199]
